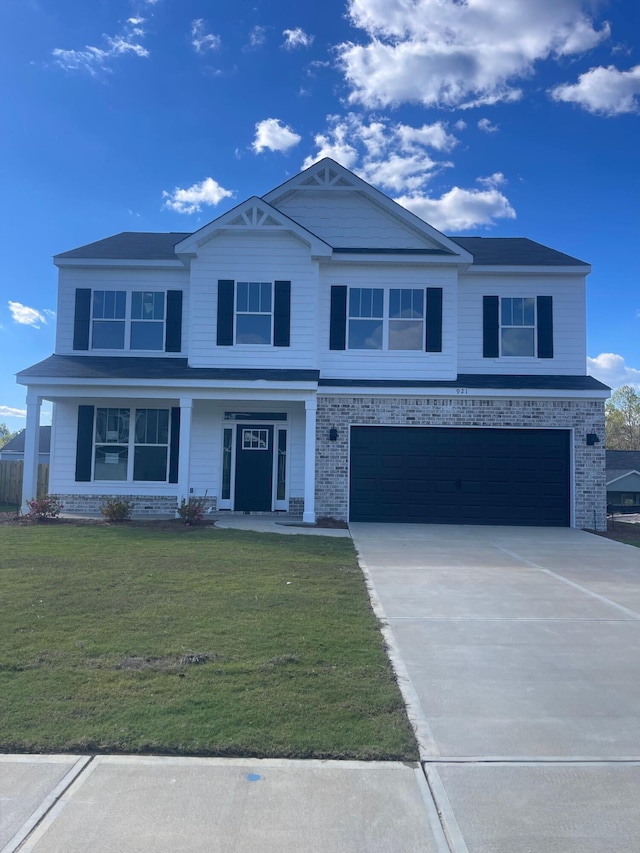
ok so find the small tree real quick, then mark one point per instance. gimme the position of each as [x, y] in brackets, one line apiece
[6, 434]
[622, 419]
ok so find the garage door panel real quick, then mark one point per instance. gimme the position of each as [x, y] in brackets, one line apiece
[460, 475]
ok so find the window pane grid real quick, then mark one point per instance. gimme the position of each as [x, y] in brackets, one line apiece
[517, 333]
[253, 312]
[147, 444]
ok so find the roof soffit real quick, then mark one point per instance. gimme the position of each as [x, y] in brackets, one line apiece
[254, 214]
[329, 176]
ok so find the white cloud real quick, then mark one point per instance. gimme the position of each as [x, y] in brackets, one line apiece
[610, 368]
[485, 125]
[207, 193]
[200, 39]
[459, 209]
[495, 180]
[272, 134]
[257, 36]
[460, 125]
[25, 316]
[452, 53]
[606, 91]
[8, 412]
[393, 156]
[296, 38]
[94, 60]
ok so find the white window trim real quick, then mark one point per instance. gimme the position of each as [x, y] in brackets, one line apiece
[534, 327]
[386, 319]
[127, 320]
[236, 313]
[131, 446]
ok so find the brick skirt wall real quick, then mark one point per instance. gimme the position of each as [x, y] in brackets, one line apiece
[583, 416]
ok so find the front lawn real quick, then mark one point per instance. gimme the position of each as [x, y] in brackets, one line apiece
[196, 641]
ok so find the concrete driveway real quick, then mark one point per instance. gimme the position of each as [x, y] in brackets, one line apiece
[518, 651]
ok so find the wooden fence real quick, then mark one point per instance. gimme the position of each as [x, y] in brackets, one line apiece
[11, 482]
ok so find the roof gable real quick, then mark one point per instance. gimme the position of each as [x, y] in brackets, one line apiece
[254, 214]
[326, 197]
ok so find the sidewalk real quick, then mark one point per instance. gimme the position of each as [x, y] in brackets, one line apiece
[146, 804]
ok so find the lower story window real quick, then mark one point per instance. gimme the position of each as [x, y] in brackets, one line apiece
[138, 454]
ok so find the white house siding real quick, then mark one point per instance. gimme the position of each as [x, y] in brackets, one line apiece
[109, 278]
[569, 323]
[381, 364]
[581, 416]
[348, 219]
[253, 256]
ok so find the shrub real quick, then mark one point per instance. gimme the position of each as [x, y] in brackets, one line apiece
[44, 508]
[117, 509]
[192, 511]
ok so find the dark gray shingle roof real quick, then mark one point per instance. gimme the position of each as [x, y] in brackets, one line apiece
[514, 251]
[487, 251]
[16, 445]
[479, 380]
[621, 462]
[131, 245]
[139, 367]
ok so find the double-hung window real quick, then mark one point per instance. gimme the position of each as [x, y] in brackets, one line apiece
[386, 319]
[138, 454]
[517, 326]
[121, 320]
[254, 312]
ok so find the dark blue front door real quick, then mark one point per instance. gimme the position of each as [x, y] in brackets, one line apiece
[254, 468]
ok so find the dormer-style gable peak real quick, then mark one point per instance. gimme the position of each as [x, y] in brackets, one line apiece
[330, 182]
[254, 214]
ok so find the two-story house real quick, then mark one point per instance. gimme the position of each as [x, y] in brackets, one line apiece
[323, 351]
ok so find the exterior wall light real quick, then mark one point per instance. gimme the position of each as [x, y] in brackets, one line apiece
[592, 439]
[333, 434]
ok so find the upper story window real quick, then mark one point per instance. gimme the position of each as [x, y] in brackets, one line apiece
[257, 313]
[141, 320]
[254, 314]
[517, 326]
[391, 320]
[136, 323]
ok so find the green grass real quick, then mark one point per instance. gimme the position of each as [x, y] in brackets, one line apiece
[191, 641]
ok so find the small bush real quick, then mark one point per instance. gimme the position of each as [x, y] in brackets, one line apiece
[44, 508]
[192, 511]
[117, 509]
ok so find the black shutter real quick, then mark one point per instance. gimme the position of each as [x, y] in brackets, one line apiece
[434, 320]
[545, 326]
[490, 327]
[282, 314]
[82, 318]
[338, 326]
[225, 313]
[174, 447]
[173, 331]
[84, 444]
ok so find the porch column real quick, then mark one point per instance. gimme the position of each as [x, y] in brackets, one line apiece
[31, 449]
[310, 407]
[186, 408]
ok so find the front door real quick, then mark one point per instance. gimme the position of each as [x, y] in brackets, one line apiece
[254, 468]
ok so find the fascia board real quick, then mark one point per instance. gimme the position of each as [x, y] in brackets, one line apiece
[70, 386]
[405, 260]
[456, 391]
[497, 269]
[139, 263]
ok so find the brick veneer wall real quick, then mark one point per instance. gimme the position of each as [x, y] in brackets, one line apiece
[584, 416]
[143, 505]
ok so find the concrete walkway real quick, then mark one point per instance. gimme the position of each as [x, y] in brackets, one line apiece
[518, 652]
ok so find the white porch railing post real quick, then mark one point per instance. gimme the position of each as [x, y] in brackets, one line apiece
[184, 453]
[310, 409]
[31, 450]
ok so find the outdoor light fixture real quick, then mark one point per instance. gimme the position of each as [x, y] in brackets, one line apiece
[333, 434]
[592, 439]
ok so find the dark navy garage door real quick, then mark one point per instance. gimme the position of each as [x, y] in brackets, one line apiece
[460, 476]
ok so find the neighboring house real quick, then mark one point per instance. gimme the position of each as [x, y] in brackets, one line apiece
[13, 450]
[322, 350]
[623, 480]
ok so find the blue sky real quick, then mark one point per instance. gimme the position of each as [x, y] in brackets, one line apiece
[513, 118]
